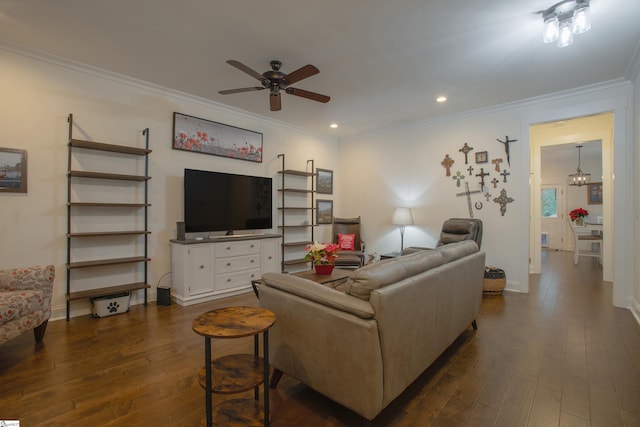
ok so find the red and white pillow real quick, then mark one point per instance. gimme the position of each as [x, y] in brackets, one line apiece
[347, 242]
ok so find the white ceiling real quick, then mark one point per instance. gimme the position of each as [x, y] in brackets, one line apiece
[382, 62]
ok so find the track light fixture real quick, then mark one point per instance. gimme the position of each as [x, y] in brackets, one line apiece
[564, 19]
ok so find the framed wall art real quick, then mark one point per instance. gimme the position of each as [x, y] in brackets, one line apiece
[482, 157]
[324, 181]
[594, 193]
[13, 170]
[324, 211]
[204, 136]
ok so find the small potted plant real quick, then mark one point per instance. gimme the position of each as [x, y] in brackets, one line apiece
[323, 256]
[577, 215]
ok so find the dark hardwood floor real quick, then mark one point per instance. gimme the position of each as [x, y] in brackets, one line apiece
[561, 355]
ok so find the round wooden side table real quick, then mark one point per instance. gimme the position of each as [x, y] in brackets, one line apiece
[239, 372]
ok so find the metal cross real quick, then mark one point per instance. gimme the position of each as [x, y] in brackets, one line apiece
[458, 177]
[482, 174]
[470, 169]
[468, 194]
[504, 174]
[502, 201]
[497, 163]
[465, 149]
[506, 143]
[447, 163]
[495, 182]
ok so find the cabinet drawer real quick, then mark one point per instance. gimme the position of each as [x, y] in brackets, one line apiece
[231, 264]
[226, 249]
[234, 280]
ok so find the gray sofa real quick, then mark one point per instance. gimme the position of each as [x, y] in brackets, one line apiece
[363, 347]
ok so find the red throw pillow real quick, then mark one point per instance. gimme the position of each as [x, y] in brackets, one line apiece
[347, 242]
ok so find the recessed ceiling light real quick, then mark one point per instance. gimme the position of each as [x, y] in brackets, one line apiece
[441, 98]
[333, 125]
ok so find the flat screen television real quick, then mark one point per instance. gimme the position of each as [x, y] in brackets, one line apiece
[215, 201]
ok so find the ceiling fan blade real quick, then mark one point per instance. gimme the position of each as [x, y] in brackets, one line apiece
[244, 89]
[275, 102]
[240, 66]
[309, 95]
[300, 73]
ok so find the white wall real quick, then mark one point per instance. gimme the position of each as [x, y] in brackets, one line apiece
[636, 211]
[38, 95]
[402, 167]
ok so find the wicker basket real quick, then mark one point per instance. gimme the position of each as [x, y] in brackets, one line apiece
[494, 281]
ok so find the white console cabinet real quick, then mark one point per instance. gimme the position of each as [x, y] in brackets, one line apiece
[203, 270]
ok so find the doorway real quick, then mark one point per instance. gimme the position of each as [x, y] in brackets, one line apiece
[565, 135]
[552, 208]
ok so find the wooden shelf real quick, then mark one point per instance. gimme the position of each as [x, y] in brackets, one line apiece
[296, 172]
[111, 261]
[103, 175]
[109, 205]
[103, 292]
[109, 233]
[90, 145]
[294, 244]
[294, 190]
[234, 374]
[296, 261]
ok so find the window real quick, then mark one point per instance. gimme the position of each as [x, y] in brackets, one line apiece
[549, 203]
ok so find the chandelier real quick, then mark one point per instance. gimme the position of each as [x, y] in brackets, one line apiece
[579, 178]
[564, 19]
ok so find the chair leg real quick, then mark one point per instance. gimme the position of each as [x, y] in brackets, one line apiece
[39, 331]
[474, 324]
[576, 254]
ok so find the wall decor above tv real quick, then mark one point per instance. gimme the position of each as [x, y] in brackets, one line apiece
[204, 136]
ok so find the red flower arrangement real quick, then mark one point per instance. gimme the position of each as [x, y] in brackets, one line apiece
[322, 253]
[578, 213]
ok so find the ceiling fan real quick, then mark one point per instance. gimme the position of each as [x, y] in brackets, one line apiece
[275, 80]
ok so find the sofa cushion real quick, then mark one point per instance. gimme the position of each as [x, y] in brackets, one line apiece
[383, 273]
[321, 294]
[16, 304]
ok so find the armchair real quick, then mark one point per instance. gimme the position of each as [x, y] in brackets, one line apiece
[349, 258]
[25, 301]
[459, 229]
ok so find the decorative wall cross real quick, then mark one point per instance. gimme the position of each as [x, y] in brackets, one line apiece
[468, 194]
[495, 182]
[506, 143]
[504, 175]
[465, 149]
[487, 195]
[458, 177]
[447, 163]
[470, 169]
[482, 174]
[502, 201]
[497, 163]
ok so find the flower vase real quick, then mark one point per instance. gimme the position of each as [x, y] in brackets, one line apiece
[324, 269]
[580, 221]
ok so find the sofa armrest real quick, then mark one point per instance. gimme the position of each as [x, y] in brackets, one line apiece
[321, 294]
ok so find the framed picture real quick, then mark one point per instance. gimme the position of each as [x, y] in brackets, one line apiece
[324, 181]
[594, 193]
[324, 211]
[204, 136]
[13, 170]
[482, 157]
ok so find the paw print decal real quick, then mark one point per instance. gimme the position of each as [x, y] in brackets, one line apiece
[113, 307]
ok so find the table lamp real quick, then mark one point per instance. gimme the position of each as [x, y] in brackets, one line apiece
[402, 217]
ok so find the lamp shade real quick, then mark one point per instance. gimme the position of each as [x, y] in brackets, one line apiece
[402, 216]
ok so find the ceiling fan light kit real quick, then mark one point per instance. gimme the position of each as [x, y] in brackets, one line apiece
[277, 81]
[564, 19]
